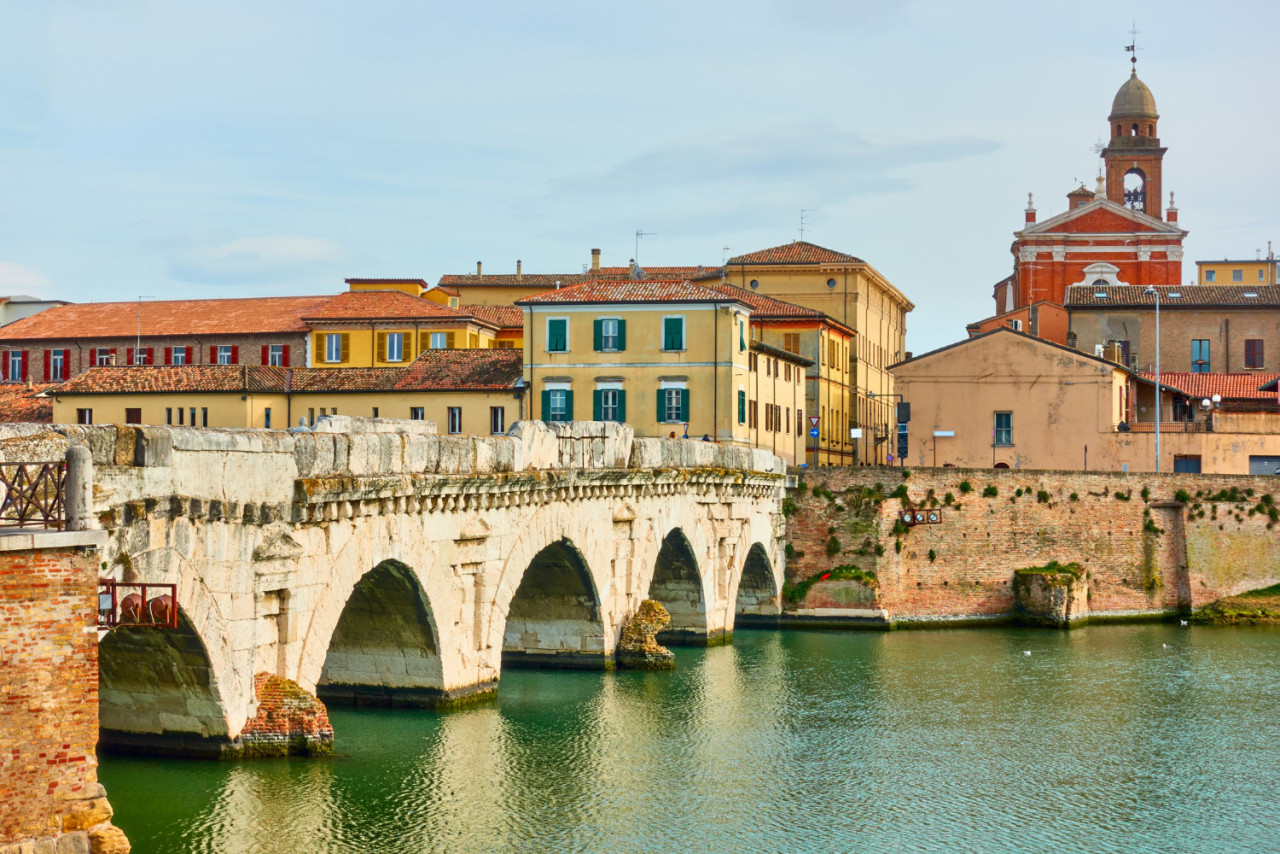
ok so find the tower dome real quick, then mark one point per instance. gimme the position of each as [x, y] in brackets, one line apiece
[1134, 101]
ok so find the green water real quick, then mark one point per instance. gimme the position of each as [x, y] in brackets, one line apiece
[1110, 738]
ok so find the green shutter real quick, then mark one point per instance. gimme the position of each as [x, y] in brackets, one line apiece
[568, 406]
[546, 405]
[622, 406]
[742, 336]
[557, 335]
[742, 407]
[662, 410]
[622, 335]
[671, 333]
[597, 396]
[597, 336]
[684, 405]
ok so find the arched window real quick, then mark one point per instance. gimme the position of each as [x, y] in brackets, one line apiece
[1151, 130]
[1135, 129]
[1135, 190]
[1100, 283]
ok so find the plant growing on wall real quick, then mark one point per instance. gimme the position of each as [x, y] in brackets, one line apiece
[990, 491]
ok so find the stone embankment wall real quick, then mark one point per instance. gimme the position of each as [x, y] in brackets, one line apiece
[1148, 544]
[50, 798]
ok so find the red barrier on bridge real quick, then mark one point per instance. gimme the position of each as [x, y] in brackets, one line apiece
[142, 605]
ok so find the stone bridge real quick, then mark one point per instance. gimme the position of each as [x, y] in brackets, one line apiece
[405, 568]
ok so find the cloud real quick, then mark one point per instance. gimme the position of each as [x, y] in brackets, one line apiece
[822, 162]
[257, 258]
[17, 279]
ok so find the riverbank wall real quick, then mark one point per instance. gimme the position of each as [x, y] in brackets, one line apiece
[1149, 546]
[50, 798]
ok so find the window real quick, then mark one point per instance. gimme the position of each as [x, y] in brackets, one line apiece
[557, 404]
[673, 333]
[375, 412]
[831, 283]
[84, 416]
[755, 283]
[1261, 276]
[192, 422]
[791, 342]
[742, 406]
[178, 356]
[311, 415]
[786, 422]
[102, 358]
[393, 343]
[1253, 353]
[742, 336]
[497, 420]
[787, 372]
[1200, 356]
[417, 413]
[132, 416]
[57, 365]
[333, 347]
[609, 405]
[557, 335]
[753, 415]
[17, 366]
[455, 419]
[266, 417]
[1211, 275]
[204, 416]
[224, 355]
[140, 356]
[753, 362]
[799, 422]
[439, 340]
[610, 334]
[1186, 464]
[1003, 433]
[1237, 275]
[673, 405]
[168, 414]
[275, 355]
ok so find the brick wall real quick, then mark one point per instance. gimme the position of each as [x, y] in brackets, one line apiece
[49, 700]
[1143, 555]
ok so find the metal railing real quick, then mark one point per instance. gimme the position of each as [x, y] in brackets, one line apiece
[142, 605]
[1170, 427]
[34, 495]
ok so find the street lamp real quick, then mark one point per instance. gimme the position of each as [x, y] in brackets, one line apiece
[1152, 292]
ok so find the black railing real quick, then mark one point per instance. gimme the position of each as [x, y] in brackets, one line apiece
[33, 495]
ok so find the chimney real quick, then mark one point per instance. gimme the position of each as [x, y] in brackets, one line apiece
[477, 268]
[595, 260]
[1031, 211]
[519, 274]
[1171, 215]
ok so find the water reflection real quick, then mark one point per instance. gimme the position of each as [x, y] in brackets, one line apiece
[1127, 738]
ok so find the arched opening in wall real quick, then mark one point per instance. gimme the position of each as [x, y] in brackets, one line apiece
[1000, 466]
[384, 650]
[1135, 189]
[157, 693]
[677, 585]
[757, 603]
[1135, 129]
[554, 618]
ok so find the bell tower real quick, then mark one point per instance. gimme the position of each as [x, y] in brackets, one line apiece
[1133, 157]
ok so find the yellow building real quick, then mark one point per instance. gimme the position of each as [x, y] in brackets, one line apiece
[1259, 271]
[471, 392]
[853, 293]
[657, 354]
[412, 287]
[379, 328]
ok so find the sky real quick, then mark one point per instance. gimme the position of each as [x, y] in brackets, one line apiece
[171, 149]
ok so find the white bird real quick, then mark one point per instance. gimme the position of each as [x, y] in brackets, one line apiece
[1165, 645]
[1184, 622]
[1026, 652]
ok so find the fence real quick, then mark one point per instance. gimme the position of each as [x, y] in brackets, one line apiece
[33, 495]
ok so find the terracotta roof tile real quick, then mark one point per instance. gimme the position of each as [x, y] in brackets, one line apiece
[256, 315]
[796, 252]
[463, 370]
[501, 316]
[541, 281]
[765, 307]
[383, 305]
[144, 379]
[422, 282]
[19, 403]
[1230, 386]
[686, 273]
[629, 291]
[1086, 296]
[344, 379]
[762, 347]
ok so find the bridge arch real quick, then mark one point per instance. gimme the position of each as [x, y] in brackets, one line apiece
[679, 584]
[159, 692]
[384, 649]
[758, 600]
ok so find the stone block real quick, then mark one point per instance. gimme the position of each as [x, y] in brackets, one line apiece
[483, 456]
[421, 453]
[504, 453]
[646, 454]
[73, 843]
[109, 840]
[332, 424]
[457, 455]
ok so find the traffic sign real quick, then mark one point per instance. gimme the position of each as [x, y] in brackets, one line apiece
[814, 419]
[814, 432]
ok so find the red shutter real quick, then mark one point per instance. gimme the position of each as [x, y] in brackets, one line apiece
[24, 366]
[47, 366]
[128, 356]
[213, 355]
[191, 355]
[168, 355]
[285, 356]
[266, 354]
[4, 365]
[151, 355]
[93, 357]
[235, 355]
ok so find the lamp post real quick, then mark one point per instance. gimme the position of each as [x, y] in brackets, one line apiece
[1152, 292]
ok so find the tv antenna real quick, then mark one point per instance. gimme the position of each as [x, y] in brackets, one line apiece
[640, 232]
[1132, 46]
[137, 344]
[804, 220]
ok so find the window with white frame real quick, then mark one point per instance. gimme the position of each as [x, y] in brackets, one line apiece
[333, 347]
[417, 413]
[15, 366]
[557, 335]
[1003, 430]
[395, 346]
[439, 340]
[104, 358]
[275, 355]
[455, 419]
[609, 333]
[57, 365]
[559, 404]
[178, 356]
[224, 354]
[497, 420]
[673, 333]
[609, 401]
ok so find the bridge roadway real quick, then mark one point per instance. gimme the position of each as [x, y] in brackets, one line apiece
[406, 568]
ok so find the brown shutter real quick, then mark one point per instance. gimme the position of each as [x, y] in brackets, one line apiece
[380, 346]
[346, 347]
[317, 348]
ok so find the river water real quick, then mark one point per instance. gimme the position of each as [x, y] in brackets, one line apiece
[1108, 738]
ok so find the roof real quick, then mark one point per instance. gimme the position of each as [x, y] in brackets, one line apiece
[1101, 216]
[1242, 386]
[1219, 296]
[422, 282]
[1242, 261]
[1005, 330]
[501, 316]
[781, 353]
[1134, 100]
[463, 370]
[20, 403]
[796, 252]
[536, 281]
[186, 318]
[686, 273]
[384, 305]
[766, 307]
[434, 370]
[630, 291]
[1082, 190]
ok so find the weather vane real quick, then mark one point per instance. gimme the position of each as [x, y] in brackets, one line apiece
[1132, 46]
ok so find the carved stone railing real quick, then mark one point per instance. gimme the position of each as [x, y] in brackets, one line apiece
[33, 495]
